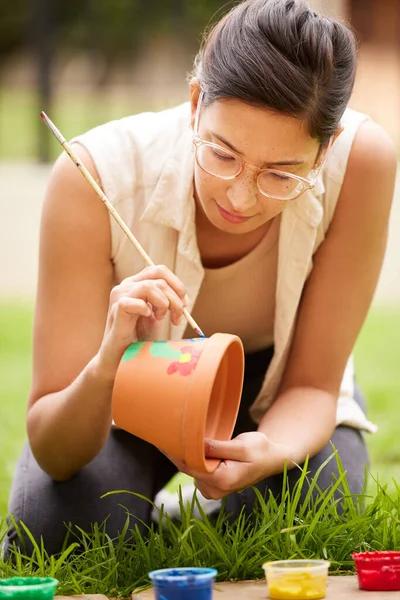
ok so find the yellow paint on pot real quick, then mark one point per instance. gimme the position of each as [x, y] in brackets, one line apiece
[185, 358]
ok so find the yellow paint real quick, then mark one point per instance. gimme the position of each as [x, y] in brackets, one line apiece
[297, 586]
[185, 358]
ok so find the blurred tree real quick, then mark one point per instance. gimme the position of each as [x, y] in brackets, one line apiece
[110, 31]
[115, 28]
[14, 21]
[43, 35]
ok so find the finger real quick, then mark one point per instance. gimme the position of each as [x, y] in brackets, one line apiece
[133, 306]
[175, 318]
[151, 293]
[162, 272]
[226, 450]
[211, 479]
[176, 305]
[209, 492]
[161, 296]
[230, 476]
[184, 468]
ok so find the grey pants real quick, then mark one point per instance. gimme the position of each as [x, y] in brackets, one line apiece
[129, 463]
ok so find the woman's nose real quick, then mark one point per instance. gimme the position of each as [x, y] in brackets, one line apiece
[242, 192]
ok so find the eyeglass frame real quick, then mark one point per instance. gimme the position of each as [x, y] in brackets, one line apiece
[198, 141]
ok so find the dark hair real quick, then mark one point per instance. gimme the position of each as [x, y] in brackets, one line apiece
[282, 55]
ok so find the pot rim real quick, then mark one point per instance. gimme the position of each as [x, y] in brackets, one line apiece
[201, 386]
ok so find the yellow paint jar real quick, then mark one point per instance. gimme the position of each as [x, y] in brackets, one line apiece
[296, 579]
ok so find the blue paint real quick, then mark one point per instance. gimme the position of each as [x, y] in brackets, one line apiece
[190, 583]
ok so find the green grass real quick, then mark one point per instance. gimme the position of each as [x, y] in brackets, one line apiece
[275, 531]
[281, 530]
[15, 375]
[377, 360]
[73, 113]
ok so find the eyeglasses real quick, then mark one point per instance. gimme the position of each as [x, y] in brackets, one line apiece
[226, 164]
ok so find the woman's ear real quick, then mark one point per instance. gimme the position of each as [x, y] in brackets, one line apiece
[194, 94]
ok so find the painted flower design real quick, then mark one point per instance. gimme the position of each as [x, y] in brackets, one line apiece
[186, 362]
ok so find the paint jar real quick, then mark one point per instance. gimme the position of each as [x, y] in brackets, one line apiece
[188, 583]
[378, 571]
[296, 579]
[28, 588]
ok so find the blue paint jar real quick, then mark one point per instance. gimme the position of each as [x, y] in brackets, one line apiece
[183, 584]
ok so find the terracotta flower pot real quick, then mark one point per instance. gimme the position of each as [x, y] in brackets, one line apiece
[174, 394]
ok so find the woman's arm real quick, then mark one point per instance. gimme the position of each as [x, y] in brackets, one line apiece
[69, 409]
[335, 301]
[81, 329]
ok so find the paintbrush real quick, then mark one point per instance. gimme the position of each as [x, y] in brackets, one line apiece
[57, 134]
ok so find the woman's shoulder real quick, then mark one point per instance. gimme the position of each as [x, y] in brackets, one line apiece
[133, 150]
[363, 146]
[338, 156]
[369, 136]
[142, 130]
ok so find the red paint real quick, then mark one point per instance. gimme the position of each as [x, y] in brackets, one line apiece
[378, 571]
[185, 368]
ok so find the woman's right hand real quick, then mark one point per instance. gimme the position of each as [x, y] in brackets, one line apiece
[135, 306]
[80, 332]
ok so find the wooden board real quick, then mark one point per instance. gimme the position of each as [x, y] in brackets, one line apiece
[83, 597]
[343, 588]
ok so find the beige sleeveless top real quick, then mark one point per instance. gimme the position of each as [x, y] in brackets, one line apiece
[240, 298]
[145, 163]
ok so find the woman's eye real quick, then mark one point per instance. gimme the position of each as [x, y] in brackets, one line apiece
[222, 156]
[280, 177]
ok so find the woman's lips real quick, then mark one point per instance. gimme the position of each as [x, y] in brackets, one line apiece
[230, 217]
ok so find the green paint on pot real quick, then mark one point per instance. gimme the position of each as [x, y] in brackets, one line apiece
[132, 351]
[160, 349]
[164, 350]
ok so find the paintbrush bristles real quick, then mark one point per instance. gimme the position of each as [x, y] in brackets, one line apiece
[92, 182]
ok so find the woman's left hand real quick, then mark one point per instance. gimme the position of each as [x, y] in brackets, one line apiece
[244, 462]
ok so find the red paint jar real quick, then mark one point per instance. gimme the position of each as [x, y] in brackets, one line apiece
[378, 571]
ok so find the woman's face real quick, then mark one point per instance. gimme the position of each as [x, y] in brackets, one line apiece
[262, 138]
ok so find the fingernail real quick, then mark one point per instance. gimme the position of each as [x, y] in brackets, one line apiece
[186, 300]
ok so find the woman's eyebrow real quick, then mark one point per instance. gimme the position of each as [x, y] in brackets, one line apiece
[277, 163]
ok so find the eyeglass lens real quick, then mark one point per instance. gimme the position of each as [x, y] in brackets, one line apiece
[223, 164]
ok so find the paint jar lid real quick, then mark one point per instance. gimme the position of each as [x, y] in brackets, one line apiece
[378, 571]
[283, 567]
[28, 588]
[188, 578]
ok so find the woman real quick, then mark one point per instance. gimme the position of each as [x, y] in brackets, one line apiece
[265, 201]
